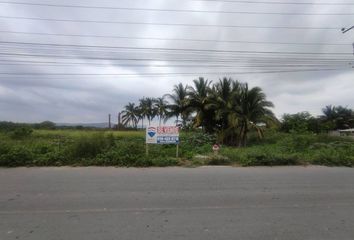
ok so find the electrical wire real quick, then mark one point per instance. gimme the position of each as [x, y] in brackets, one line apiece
[169, 24]
[7, 74]
[277, 2]
[175, 10]
[189, 50]
[178, 39]
[257, 64]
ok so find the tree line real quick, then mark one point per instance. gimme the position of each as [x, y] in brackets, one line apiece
[332, 118]
[229, 108]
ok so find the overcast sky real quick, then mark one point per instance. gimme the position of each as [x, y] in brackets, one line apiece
[85, 98]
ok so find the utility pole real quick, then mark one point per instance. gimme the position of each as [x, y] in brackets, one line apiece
[109, 121]
[344, 30]
[119, 119]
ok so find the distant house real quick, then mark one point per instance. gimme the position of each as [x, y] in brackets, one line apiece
[347, 132]
[343, 133]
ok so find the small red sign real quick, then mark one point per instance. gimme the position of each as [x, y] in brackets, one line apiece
[216, 147]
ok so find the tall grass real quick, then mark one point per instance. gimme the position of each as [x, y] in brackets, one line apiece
[111, 148]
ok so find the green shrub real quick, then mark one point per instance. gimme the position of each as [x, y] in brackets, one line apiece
[164, 162]
[21, 133]
[198, 139]
[115, 157]
[53, 158]
[17, 156]
[90, 146]
[127, 149]
[4, 147]
[333, 157]
[269, 159]
[265, 155]
[218, 160]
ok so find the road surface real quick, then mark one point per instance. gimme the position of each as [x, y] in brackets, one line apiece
[177, 203]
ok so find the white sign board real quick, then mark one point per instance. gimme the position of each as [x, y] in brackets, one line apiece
[162, 135]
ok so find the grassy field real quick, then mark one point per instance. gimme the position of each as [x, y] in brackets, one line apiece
[79, 133]
[127, 149]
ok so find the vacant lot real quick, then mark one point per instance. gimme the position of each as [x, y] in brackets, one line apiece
[177, 203]
[24, 147]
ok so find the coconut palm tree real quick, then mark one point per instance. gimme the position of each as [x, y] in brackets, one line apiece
[337, 117]
[220, 102]
[161, 108]
[147, 110]
[249, 108]
[142, 111]
[228, 108]
[150, 109]
[179, 105]
[198, 102]
[129, 115]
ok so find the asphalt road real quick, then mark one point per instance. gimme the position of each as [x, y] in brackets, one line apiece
[177, 203]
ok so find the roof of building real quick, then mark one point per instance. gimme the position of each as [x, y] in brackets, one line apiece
[347, 130]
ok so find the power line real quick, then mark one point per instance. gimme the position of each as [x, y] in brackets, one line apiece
[277, 2]
[344, 30]
[10, 61]
[256, 65]
[169, 24]
[189, 50]
[240, 58]
[252, 63]
[175, 10]
[162, 74]
[176, 39]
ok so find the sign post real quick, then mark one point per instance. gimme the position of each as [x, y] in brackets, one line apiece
[216, 149]
[162, 135]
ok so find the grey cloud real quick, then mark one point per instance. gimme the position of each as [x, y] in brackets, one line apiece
[91, 98]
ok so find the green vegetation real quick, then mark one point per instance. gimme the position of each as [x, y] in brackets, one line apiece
[226, 112]
[127, 149]
[332, 118]
[228, 108]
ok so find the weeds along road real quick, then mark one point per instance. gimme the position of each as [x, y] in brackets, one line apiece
[177, 203]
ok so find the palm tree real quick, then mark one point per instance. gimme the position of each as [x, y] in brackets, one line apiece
[179, 103]
[220, 101]
[142, 111]
[161, 108]
[198, 100]
[147, 110]
[150, 109]
[129, 115]
[337, 117]
[250, 108]
[228, 108]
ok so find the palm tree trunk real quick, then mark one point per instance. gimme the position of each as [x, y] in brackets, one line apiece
[243, 137]
[240, 136]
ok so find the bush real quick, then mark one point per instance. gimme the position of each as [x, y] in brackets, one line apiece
[116, 157]
[218, 160]
[198, 139]
[269, 159]
[127, 149]
[261, 156]
[90, 146]
[21, 133]
[53, 158]
[17, 156]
